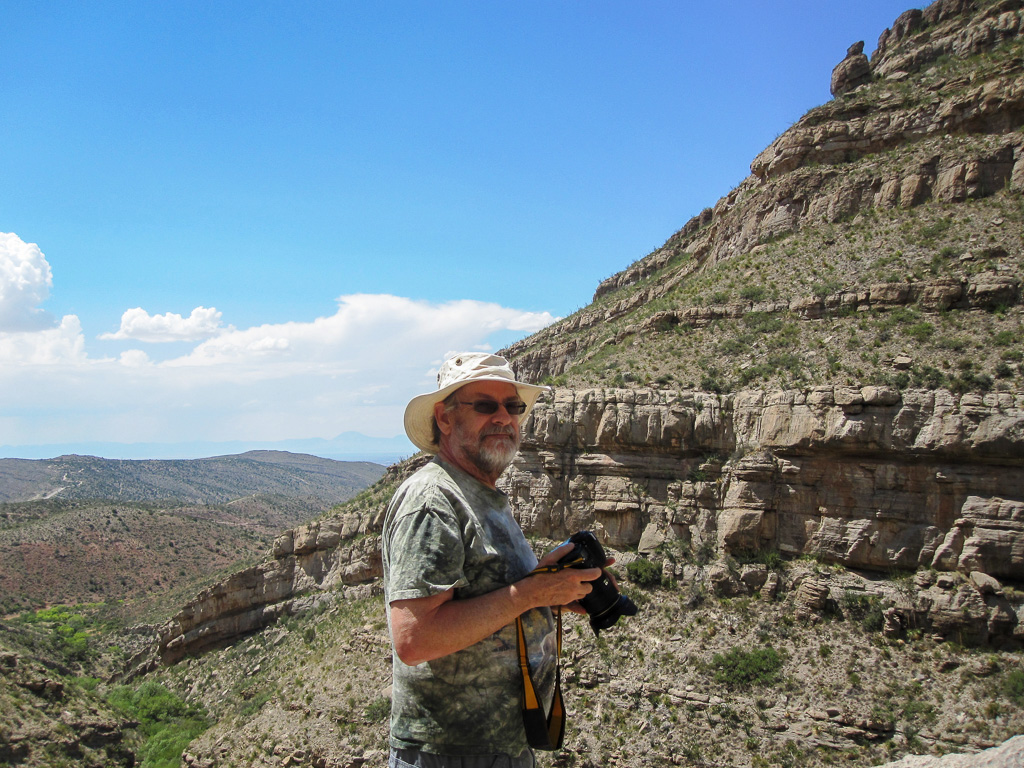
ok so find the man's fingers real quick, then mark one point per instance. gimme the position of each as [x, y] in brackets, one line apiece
[557, 553]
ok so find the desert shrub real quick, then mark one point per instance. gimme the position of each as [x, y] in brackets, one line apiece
[867, 609]
[762, 322]
[739, 667]
[166, 721]
[1004, 338]
[929, 376]
[931, 232]
[920, 332]
[1013, 686]
[378, 709]
[772, 560]
[752, 292]
[711, 382]
[644, 573]
[826, 288]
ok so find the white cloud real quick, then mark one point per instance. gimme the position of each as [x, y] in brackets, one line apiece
[25, 281]
[134, 358]
[63, 345]
[353, 370]
[139, 325]
[367, 330]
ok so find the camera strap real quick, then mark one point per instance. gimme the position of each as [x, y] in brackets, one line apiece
[542, 731]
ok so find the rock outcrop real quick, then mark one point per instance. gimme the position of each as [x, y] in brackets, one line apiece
[867, 478]
[852, 72]
[1009, 754]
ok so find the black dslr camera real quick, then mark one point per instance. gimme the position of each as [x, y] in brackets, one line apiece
[604, 604]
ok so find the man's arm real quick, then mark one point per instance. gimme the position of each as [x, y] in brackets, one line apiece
[427, 628]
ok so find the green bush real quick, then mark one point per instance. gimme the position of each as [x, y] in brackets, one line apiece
[738, 667]
[752, 292]
[772, 560]
[167, 721]
[378, 710]
[762, 322]
[644, 573]
[867, 609]
[931, 232]
[1013, 686]
[1004, 338]
[921, 332]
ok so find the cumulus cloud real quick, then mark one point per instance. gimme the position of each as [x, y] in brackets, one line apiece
[138, 325]
[134, 358]
[64, 344]
[25, 280]
[352, 370]
[366, 329]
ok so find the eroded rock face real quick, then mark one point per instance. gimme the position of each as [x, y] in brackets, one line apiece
[868, 478]
[861, 476]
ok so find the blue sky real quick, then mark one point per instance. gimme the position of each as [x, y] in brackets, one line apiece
[257, 221]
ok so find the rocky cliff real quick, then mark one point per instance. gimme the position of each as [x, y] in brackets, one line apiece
[865, 478]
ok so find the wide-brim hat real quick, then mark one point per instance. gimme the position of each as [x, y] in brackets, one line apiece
[457, 371]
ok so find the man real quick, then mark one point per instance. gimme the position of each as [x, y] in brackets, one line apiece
[457, 575]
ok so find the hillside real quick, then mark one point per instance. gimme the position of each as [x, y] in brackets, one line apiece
[880, 240]
[80, 529]
[215, 480]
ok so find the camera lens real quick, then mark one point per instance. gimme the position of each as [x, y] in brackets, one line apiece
[604, 604]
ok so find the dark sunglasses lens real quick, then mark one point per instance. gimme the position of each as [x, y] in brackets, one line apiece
[489, 407]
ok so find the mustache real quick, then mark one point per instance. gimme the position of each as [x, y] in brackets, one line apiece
[499, 430]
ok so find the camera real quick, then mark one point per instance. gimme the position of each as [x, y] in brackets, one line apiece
[604, 604]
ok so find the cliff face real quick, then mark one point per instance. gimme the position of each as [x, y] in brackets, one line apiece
[866, 478]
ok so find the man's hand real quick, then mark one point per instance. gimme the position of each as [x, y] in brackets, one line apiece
[556, 554]
[426, 628]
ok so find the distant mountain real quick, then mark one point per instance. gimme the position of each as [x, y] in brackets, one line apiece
[79, 529]
[215, 480]
[348, 446]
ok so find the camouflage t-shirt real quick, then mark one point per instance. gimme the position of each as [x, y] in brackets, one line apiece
[443, 530]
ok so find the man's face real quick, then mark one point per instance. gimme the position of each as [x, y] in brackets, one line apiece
[488, 442]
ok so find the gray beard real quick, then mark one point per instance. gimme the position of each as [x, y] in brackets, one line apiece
[493, 459]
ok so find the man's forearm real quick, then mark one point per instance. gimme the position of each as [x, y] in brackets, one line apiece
[428, 628]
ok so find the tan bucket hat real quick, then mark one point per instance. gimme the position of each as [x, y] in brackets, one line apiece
[457, 371]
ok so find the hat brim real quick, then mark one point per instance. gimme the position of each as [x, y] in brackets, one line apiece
[419, 413]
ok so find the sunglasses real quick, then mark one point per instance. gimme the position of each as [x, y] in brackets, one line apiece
[489, 407]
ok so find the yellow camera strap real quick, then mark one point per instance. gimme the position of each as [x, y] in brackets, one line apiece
[544, 732]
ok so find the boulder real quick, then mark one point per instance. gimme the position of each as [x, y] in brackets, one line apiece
[852, 72]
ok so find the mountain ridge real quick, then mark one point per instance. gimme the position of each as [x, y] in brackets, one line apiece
[216, 479]
[886, 216]
[347, 446]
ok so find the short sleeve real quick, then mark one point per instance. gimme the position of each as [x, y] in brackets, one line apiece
[426, 552]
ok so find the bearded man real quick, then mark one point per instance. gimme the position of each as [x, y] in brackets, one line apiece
[457, 575]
